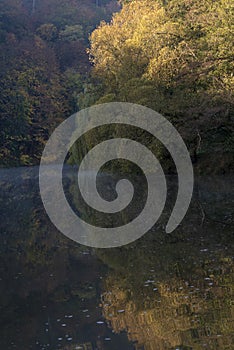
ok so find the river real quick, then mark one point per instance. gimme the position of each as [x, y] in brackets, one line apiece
[162, 292]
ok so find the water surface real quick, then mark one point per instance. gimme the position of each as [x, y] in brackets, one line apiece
[161, 292]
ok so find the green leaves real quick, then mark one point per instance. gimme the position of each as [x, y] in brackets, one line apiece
[43, 66]
[72, 33]
[181, 55]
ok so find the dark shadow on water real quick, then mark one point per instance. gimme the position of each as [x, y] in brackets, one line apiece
[161, 292]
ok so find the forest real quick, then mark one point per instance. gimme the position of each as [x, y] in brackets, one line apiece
[176, 57]
[44, 66]
[165, 289]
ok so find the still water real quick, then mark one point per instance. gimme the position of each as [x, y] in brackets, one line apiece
[162, 292]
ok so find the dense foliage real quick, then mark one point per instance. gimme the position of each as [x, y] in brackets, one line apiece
[43, 64]
[177, 58]
[173, 56]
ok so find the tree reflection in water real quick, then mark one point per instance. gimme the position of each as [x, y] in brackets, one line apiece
[176, 291]
[165, 291]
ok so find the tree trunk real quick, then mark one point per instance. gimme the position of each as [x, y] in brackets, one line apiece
[33, 6]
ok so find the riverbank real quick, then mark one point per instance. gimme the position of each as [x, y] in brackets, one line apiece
[216, 163]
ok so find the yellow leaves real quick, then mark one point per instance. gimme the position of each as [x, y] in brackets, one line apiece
[39, 43]
[25, 159]
[101, 39]
[164, 67]
[184, 49]
[169, 63]
[128, 41]
[135, 37]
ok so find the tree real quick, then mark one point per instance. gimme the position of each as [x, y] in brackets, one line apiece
[183, 53]
[43, 65]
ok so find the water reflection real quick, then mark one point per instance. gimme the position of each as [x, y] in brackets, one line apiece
[162, 292]
[176, 292]
[173, 308]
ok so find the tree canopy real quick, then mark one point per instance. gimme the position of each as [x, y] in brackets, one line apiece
[175, 57]
[43, 65]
